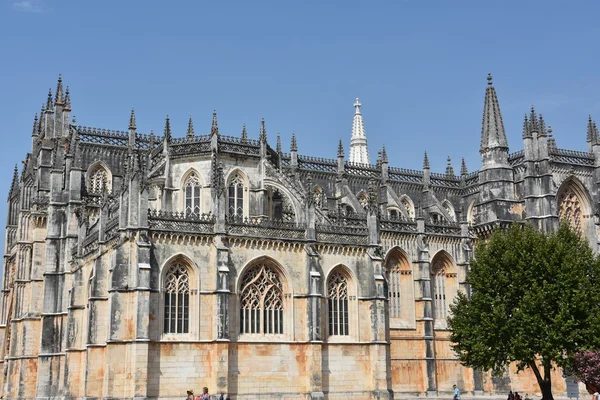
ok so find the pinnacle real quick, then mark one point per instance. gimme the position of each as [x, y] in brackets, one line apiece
[244, 134]
[167, 129]
[132, 119]
[263, 132]
[59, 91]
[489, 79]
[526, 130]
[426, 162]
[449, 168]
[15, 181]
[542, 126]
[67, 99]
[384, 157]
[35, 125]
[214, 129]
[590, 130]
[463, 167]
[340, 151]
[492, 129]
[533, 121]
[294, 144]
[49, 103]
[278, 148]
[551, 140]
[190, 129]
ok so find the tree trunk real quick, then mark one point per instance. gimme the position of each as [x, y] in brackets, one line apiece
[544, 382]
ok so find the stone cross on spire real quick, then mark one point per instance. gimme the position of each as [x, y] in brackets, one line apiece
[359, 153]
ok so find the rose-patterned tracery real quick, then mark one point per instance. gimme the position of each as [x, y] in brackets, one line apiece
[261, 300]
[177, 299]
[569, 208]
[337, 297]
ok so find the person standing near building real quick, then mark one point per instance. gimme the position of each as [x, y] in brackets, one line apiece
[456, 392]
[205, 395]
[190, 395]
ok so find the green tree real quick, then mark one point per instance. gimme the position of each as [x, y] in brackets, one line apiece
[534, 301]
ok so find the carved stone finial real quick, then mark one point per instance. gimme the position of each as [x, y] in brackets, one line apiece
[214, 129]
[449, 168]
[167, 130]
[340, 152]
[263, 132]
[59, 91]
[463, 167]
[244, 137]
[49, 103]
[591, 135]
[278, 147]
[426, 162]
[67, 99]
[132, 120]
[489, 79]
[526, 130]
[384, 157]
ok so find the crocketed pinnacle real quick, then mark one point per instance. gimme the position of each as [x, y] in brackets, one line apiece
[340, 152]
[449, 168]
[541, 126]
[384, 157]
[263, 132]
[463, 167]
[214, 129]
[534, 125]
[14, 186]
[551, 140]
[132, 119]
[67, 99]
[278, 146]
[591, 134]
[526, 130]
[244, 134]
[359, 153]
[492, 131]
[49, 104]
[167, 129]
[34, 132]
[59, 91]
[425, 161]
[294, 144]
[190, 130]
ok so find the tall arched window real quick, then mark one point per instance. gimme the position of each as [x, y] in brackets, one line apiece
[337, 298]
[400, 286]
[177, 299]
[261, 301]
[236, 196]
[570, 206]
[192, 195]
[444, 287]
[99, 178]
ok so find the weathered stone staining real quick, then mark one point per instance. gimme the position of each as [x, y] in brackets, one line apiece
[139, 266]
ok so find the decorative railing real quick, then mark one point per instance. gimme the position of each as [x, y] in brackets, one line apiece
[342, 232]
[572, 157]
[103, 136]
[239, 147]
[315, 163]
[190, 139]
[472, 178]
[185, 148]
[366, 170]
[443, 228]
[111, 229]
[438, 179]
[179, 222]
[405, 175]
[238, 140]
[265, 227]
[398, 225]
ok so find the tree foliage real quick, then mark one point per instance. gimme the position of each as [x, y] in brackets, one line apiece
[535, 301]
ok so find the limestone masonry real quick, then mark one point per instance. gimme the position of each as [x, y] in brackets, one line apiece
[138, 266]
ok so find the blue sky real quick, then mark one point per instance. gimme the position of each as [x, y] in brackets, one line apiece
[419, 68]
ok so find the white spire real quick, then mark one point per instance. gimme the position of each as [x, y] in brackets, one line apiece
[358, 143]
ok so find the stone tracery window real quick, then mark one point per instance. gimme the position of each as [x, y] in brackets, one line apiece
[177, 299]
[192, 195]
[570, 208]
[439, 294]
[444, 287]
[236, 196]
[99, 180]
[337, 298]
[400, 294]
[261, 301]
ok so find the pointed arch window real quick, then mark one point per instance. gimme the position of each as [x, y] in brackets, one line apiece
[337, 298]
[177, 299]
[444, 287]
[99, 180]
[261, 301]
[192, 195]
[236, 196]
[439, 294]
[570, 208]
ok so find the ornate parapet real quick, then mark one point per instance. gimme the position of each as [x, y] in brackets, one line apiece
[443, 228]
[265, 228]
[344, 230]
[180, 223]
[398, 225]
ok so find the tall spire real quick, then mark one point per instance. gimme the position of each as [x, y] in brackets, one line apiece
[190, 130]
[214, 129]
[492, 130]
[294, 144]
[463, 167]
[59, 91]
[426, 162]
[449, 168]
[132, 119]
[359, 153]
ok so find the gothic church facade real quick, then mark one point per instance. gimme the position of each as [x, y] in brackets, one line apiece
[139, 266]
